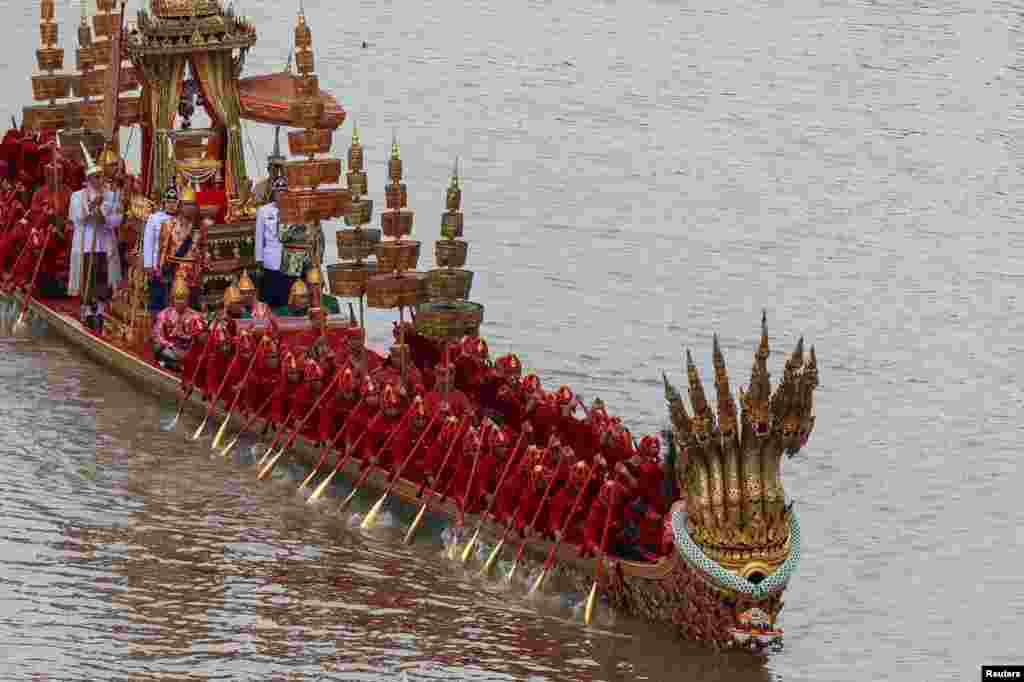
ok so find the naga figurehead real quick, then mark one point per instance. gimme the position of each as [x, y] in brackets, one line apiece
[729, 469]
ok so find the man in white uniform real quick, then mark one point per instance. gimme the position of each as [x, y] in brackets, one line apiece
[151, 248]
[276, 284]
[96, 215]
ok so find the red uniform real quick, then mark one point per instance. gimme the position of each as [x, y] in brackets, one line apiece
[406, 439]
[305, 398]
[612, 496]
[364, 419]
[533, 508]
[573, 499]
[438, 451]
[189, 365]
[379, 432]
[286, 386]
[218, 358]
[336, 407]
[465, 487]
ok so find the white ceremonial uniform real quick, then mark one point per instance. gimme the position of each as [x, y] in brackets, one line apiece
[151, 239]
[268, 245]
[106, 235]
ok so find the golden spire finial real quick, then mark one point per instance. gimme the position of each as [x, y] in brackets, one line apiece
[455, 174]
[394, 145]
[355, 133]
[762, 351]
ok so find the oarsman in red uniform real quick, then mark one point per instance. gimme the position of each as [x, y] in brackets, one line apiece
[532, 499]
[222, 350]
[465, 486]
[306, 395]
[616, 443]
[27, 266]
[453, 402]
[612, 495]
[336, 407]
[563, 503]
[494, 457]
[381, 428]
[362, 418]
[197, 329]
[545, 416]
[246, 346]
[504, 374]
[392, 369]
[264, 376]
[471, 365]
[11, 254]
[406, 439]
[646, 510]
[439, 450]
[516, 483]
[365, 362]
[286, 386]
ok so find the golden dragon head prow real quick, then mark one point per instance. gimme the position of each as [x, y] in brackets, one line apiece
[730, 473]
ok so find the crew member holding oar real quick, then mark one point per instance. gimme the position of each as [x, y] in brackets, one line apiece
[222, 351]
[407, 437]
[566, 501]
[380, 430]
[603, 528]
[362, 417]
[445, 397]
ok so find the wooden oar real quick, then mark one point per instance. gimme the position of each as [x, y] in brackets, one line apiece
[238, 395]
[187, 389]
[349, 449]
[324, 449]
[536, 517]
[588, 611]
[486, 568]
[298, 428]
[17, 261]
[561, 534]
[248, 422]
[490, 506]
[387, 443]
[437, 479]
[369, 467]
[453, 552]
[372, 514]
[20, 322]
[216, 397]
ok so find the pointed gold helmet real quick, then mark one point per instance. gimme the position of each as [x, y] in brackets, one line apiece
[299, 295]
[314, 278]
[181, 290]
[245, 284]
[232, 296]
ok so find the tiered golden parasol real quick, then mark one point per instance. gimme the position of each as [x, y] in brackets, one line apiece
[397, 284]
[51, 86]
[356, 243]
[448, 315]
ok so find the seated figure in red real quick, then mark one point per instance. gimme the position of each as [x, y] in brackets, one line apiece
[572, 499]
[532, 514]
[503, 375]
[219, 357]
[445, 398]
[603, 528]
[413, 432]
[465, 487]
[437, 454]
[305, 398]
[379, 432]
[471, 366]
[264, 377]
[287, 386]
[362, 418]
[647, 509]
[193, 367]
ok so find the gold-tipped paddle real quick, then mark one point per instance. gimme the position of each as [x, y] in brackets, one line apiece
[565, 525]
[490, 506]
[19, 324]
[349, 449]
[216, 397]
[536, 515]
[187, 389]
[588, 611]
[451, 448]
[369, 466]
[371, 516]
[248, 422]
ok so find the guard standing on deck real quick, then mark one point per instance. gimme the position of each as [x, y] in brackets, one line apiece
[151, 247]
[276, 284]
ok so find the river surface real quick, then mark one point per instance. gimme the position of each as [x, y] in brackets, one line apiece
[636, 176]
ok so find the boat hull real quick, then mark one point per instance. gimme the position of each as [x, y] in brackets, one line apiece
[684, 590]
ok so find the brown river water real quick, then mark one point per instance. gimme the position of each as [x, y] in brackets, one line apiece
[636, 176]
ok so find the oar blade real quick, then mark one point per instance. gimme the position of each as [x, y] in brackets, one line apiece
[588, 611]
[371, 516]
[539, 582]
[270, 465]
[199, 431]
[220, 433]
[515, 565]
[308, 478]
[321, 488]
[469, 546]
[492, 558]
[177, 416]
[415, 524]
[226, 452]
[348, 499]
